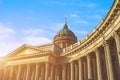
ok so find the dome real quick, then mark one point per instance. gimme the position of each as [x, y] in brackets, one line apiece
[66, 31]
[65, 37]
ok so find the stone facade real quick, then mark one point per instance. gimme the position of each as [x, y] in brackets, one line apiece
[96, 57]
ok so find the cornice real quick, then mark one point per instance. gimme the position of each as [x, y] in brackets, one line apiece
[27, 56]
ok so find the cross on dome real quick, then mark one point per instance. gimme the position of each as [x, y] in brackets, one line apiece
[65, 24]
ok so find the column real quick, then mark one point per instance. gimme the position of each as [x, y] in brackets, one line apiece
[109, 61]
[64, 72]
[80, 69]
[89, 67]
[99, 66]
[72, 70]
[37, 71]
[76, 70]
[11, 73]
[94, 67]
[0, 73]
[28, 72]
[42, 72]
[56, 72]
[117, 40]
[24, 71]
[52, 72]
[33, 75]
[4, 73]
[85, 70]
[68, 71]
[46, 70]
[19, 72]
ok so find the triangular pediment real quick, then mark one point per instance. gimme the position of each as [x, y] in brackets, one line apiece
[24, 50]
[27, 51]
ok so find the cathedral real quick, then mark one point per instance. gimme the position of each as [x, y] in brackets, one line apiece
[95, 57]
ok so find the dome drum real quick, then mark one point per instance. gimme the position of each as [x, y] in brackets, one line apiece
[64, 37]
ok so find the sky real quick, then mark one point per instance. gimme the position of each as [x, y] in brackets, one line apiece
[36, 22]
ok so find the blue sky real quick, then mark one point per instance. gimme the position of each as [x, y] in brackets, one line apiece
[36, 22]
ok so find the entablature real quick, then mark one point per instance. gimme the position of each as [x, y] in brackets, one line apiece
[34, 58]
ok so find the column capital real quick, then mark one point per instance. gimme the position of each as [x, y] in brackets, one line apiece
[79, 60]
[71, 62]
[64, 64]
[106, 43]
[115, 34]
[97, 51]
[88, 56]
[37, 64]
[46, 62]
[28, 65]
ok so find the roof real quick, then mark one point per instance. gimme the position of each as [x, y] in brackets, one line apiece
[66, 30]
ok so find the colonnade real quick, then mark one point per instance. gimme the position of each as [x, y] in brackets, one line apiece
[33, 71]
[103, 63]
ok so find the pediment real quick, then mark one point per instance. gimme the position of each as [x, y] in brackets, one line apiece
[24, 50]
[27, 51]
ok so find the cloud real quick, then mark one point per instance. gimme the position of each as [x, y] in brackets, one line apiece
[32, 40]
[81, 22]
[36, 36]
[89, 5]
[81, 32]
[85, 4]
[35, 31]
[71, 3]
[55, 3]
[8, 41]
[57, 26]
[38, 32]
[74, 15]
[97, 17]
[8, 46]
[6, 32]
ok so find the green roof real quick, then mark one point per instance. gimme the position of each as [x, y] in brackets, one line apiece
[65, 30]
